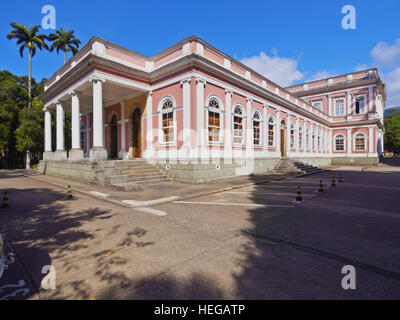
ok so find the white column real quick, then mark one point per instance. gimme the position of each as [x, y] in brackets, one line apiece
[98, 151]
[265, 133]
[76, 151]
[47, 130]
[371, 101]
[330, 105]
[249, 131]
[75, 110]
[296, 136]
[60, 153]
[349, 142]
[228, 142]
[278, 133]
[60, 127]
[200, 84]
[149, 119]
[123, 150]
[330, 143]
[186, 118]
[349, 111]
[371, 140]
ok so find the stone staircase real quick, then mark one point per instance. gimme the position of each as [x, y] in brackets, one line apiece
[286, 166]
[131, 174]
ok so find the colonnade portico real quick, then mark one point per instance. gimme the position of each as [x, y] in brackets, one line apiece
[90, 96]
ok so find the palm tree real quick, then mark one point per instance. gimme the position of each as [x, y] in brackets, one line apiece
[31, 39]
[65, 41]
[28, 38]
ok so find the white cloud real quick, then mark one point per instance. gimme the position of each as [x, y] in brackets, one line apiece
[385, 55]
[392, 80]
[320, 75]
[361, 66]
[281, 70]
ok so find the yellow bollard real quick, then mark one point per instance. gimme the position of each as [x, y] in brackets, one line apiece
[321, 187]
[6, 201]
[333, 182]
[340, 178]
[299, 197]
[69, 193]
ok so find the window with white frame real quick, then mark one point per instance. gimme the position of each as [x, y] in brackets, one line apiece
[359, 142]
[339, 142]
[238, 121]
[317, 104]
[271, 132]
[300, 138]
[214, 121]
[292, 136]
[308, 139]
[167, 121]
[257, 128]
[339, 107]
[359, 105]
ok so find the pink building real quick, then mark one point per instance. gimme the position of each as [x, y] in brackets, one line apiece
[202, 115]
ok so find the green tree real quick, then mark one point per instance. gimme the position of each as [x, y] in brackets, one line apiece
[392, 134]
[32, 40]
[29, 135]
[65, 41]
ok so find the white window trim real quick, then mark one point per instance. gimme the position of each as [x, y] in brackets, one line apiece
[221, 120]
[161, 141]
[300, 145]
[274, 132]
[318, 101]
[363, 95]
[344, 143]
[344, 106]
[260, 144]
[243, 116]
[292, 126]
[365, 141]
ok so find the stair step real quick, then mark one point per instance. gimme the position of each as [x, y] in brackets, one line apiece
[136, 185]
[146, 178]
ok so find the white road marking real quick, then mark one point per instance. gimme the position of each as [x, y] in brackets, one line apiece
[152, 211]
[24, 292]
[134, 203]
[266, 186]
[234, 204]
[99, 194]
[270, 193]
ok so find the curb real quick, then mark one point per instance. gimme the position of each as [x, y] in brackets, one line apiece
[178, 198]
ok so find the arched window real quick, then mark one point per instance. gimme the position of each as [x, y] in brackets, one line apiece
[214, 121]
[300, 138]
[83, 133]
[238, 136]
[339, 143]
[359, 142]
[257, 128]
[271, 132]
[167, 121]
[292, 136]
[308, 139]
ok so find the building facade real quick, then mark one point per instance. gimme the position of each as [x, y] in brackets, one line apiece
[203, 115]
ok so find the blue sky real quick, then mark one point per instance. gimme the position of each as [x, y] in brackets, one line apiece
[286, 40]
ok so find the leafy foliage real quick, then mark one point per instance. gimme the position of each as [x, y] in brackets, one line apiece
[14, 114]
[392, 134]
[28, 38]
[65, 41]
